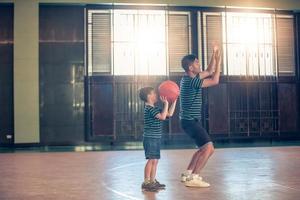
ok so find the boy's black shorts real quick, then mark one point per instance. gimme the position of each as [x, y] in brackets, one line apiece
[194, 129]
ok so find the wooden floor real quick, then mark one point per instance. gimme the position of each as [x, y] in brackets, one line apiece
[239, 173]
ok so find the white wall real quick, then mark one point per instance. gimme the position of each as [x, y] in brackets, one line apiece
[26, 71]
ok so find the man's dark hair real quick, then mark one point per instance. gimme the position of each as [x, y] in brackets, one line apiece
[144, 92]
[187, 60]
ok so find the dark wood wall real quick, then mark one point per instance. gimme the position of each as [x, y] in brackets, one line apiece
[115, 111]
[236, 108]
[239, 109]
[287, 93]
[6, 74]
[218, 109]
[61, 66]
[107, 108]
[297, 24]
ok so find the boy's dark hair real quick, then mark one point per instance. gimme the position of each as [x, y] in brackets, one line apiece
[187, 60]
[144, 92]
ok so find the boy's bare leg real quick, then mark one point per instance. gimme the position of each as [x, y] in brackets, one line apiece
[154, 169]
[148, 169]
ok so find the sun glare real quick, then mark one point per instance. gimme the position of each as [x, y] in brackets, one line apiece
[249, 41]
[139, 42]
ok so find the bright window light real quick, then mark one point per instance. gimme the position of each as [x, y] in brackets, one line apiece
[139, 42]
[248, 40]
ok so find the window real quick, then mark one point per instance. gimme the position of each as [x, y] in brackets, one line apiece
[254, 44]
[248, 40]
[137, 42]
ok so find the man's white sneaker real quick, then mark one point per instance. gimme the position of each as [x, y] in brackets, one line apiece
[194, 182]
[186, 176]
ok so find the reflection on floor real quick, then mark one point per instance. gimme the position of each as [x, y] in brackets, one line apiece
[138, 145]
[234, 173]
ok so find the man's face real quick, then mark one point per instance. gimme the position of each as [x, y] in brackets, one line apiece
[195, 67]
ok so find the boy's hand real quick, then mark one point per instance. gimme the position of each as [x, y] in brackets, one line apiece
[174, 102]
[164, 113]
[172, 108]
[164, 100]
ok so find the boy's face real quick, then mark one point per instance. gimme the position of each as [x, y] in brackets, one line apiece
[152, 97]
[195, 67]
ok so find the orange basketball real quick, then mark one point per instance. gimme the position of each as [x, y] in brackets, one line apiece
[169, 89]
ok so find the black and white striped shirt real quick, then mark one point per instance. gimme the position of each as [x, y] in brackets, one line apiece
[190, 97]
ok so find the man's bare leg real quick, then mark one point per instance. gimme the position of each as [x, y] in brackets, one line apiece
[203, 157]
[193, 161]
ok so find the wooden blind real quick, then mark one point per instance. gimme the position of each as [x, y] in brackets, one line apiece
[100, 38]
[178, 39]
[285, 44]
[212, 34]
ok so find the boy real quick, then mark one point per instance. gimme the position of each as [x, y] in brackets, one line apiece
[153, 117]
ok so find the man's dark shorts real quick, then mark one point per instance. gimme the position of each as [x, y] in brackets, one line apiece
[194, 129]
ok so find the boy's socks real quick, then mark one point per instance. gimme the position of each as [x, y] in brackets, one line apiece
[147, 185]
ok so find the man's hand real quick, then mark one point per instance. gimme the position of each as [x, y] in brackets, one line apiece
[214, 80]
[216, 54]
[216, 48]
[211, 68]
[218, 58]
[212, 65]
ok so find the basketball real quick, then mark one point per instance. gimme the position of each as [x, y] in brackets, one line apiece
[169, 89]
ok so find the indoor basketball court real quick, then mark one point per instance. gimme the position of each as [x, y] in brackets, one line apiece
[149, 100]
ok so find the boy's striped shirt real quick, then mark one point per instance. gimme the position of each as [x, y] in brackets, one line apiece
[152, 125]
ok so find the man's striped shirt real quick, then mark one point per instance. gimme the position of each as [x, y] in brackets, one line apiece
[190, 98]
[152, 125]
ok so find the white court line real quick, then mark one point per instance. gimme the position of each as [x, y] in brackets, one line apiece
[286, 186]
[124, 166]
[118, 192]
[137, 163]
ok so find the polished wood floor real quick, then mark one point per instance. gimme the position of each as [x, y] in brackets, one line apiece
[271, 173]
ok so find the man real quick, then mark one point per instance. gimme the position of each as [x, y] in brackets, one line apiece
[191, 86]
